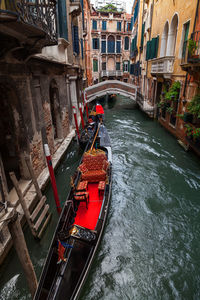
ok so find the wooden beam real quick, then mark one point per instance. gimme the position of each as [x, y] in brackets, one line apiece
[22, 252]
[34, 179]
[38, 208]
[22, 202]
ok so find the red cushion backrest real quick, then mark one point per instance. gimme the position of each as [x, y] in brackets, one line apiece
[94, 162]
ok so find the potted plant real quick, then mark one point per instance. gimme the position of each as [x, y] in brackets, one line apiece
[170, 110]
[189, 131]
[173, 93]
[192, 46]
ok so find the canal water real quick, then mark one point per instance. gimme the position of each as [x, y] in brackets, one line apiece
[150, 248]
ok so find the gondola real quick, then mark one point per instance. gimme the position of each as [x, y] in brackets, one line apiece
[80, 225]
[95, 117]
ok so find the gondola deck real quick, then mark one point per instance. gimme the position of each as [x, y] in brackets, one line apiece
[88, 217]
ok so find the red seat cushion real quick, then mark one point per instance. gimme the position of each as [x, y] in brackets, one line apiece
[81, 196]
[82, 185]
[101, 185]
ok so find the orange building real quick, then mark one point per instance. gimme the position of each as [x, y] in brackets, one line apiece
[87, 42]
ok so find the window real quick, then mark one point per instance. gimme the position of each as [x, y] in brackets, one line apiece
[104, 23]
[95, 43]
[103, 46]
[95, 65]
[75, 39]
[117, 66]
[103, 66]
[82, 48]
[118, 47]
[128, 26]
[126, 43]
[119, 26]
[111, 44]
[94, 24]
[62, 13]
[126, 66]
[185, 33]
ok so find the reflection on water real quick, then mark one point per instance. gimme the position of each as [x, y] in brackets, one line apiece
[150, 246]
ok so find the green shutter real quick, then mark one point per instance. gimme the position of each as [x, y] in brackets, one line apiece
[157, 45]
[123, 67]
[148, 50]
[95, 65]
[142, 36]
[128, 66]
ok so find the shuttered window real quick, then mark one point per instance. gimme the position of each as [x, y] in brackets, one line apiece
[82, 48]
[62, 13]
[118, 48]
[103, 46]
[131, 23]
[95, 65]
[75, 39]
[94, 24]
[119, 26]
[103, 66]
[152, 48]
[117, 66]
[142, 36]
[104, 23]
[126, 43]
[95, 43]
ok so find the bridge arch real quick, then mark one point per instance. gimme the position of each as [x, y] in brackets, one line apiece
[110, 87]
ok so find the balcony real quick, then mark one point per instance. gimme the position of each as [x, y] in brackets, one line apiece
[75, 7]
[163, 66]
[30, 25]
[113, 73]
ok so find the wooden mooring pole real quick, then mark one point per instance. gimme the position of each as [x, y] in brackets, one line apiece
[22, 252]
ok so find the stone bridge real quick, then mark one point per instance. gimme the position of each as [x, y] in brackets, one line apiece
[110, 87]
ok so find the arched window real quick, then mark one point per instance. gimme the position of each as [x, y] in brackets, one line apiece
[111, 44]
[171, 43]
[164, 39]
[126, 43]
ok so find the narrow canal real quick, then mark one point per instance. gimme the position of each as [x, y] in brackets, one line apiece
[150, 247]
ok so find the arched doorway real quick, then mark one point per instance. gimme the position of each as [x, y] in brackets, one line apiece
[164, 39]
[55, 110]
[9, 133]
[171, 43]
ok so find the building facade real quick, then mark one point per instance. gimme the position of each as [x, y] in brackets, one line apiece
[163, 31]
[110, 34]
[41, 79]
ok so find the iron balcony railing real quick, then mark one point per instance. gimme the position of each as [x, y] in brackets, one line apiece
[38, 13]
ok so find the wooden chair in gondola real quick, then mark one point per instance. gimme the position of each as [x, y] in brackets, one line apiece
[80, 193]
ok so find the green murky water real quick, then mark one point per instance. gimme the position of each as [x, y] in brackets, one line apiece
[150, 248]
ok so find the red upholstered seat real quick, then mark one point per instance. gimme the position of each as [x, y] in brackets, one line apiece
[94, 176]
[94, 167]
[101, 185]
[82, 197]
[82, 185]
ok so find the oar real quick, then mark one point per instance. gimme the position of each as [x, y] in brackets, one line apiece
[94, 138]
